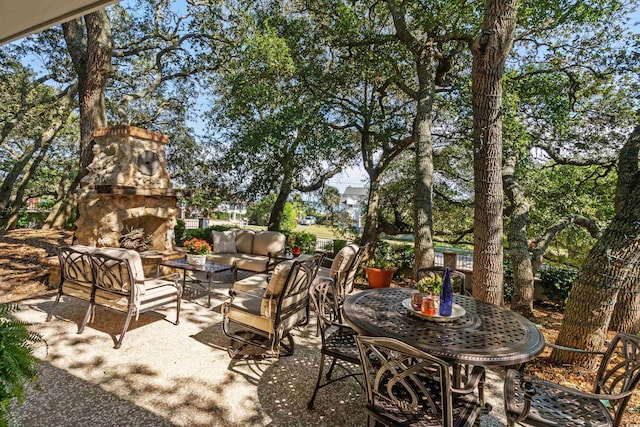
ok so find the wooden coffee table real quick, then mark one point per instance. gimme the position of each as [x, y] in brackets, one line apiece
[210, 268]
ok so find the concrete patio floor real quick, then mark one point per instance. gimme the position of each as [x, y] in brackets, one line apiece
[167, 375]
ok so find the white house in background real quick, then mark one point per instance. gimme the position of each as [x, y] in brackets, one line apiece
[352, 201]
[236, 211]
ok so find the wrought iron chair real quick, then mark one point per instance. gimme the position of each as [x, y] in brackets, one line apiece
[532, 401]
[342, 269]
[337, 339]
[265, 317]
[76, 277]
[406, 386]
[457, 277]
[120, 285]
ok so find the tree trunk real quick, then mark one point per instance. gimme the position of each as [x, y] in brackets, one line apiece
[371, 228]
[611, 268]
[275, 218]
[490, 51]
[61, 211]
[523, 274]
[423, 187]
[90, 47]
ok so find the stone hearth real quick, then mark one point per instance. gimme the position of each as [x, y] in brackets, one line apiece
[127, 186]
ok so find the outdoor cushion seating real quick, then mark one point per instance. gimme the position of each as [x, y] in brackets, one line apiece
[114, 278]
[407, 387]
[342, 269]
[264, 317]
[255, 251]
[532, 401]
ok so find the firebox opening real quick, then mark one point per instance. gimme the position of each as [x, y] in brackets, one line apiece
[152, 226]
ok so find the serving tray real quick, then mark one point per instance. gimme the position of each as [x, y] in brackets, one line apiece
[456, 312]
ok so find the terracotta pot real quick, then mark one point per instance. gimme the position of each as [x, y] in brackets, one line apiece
[379, 278]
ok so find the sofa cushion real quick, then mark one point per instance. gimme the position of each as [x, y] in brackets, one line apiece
[256, 263]
[265, 242]
[244, 241]
[224, 241]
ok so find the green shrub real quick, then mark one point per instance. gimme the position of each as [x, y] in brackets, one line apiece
[205, 233]
[178, 231]
[404, 260]
[305, 241]
[17, 363]
[556, 283]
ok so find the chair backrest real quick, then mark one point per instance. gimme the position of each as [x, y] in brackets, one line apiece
[457, 277]
[619, 371]
[347, 286]
[114, 274]
[293, 302]
[75, 265]
[326, 305]
[416, 383]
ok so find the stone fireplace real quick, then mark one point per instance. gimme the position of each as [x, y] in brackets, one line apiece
[127, 187]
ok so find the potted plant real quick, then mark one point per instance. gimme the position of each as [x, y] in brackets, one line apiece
[430, 284]
[197, 250]
[380, 272]
[300, 242]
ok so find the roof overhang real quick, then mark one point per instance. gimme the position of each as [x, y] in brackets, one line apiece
[19, 18]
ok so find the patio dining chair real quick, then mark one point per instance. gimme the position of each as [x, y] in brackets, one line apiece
[265, 315]
[120, 285]
[457, 277]
[407, 387]
[341, 270]
[532, 401]
[338, 341]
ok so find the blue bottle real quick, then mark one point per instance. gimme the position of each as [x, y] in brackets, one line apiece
[446, 294]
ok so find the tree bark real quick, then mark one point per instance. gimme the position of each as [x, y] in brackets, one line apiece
[371, 228]
[90, 47]
[490, 51]
[275, 218]
[626, 312]
[423, 187]
[611, 268]
[523, 274]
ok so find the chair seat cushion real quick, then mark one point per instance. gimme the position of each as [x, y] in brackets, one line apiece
[553, 405]
[257, 281]
[246, 309]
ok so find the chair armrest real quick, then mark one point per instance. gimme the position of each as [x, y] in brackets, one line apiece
[172, 276]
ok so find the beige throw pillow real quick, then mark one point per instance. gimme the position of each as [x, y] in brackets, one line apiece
[224, 242]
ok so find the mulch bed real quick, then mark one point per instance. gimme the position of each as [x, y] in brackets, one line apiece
[23, 275]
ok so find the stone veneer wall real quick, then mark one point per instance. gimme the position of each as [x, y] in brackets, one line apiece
[103, 216]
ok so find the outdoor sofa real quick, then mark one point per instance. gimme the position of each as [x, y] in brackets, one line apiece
[248, 250]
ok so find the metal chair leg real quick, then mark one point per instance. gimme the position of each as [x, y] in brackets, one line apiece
[315, 391]
[55, 304]
[124, 330]
[86, 319]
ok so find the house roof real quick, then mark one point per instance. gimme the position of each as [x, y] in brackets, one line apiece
[355, 192]
[21, 18]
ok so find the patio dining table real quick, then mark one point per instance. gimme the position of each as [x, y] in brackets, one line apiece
[486, 335]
